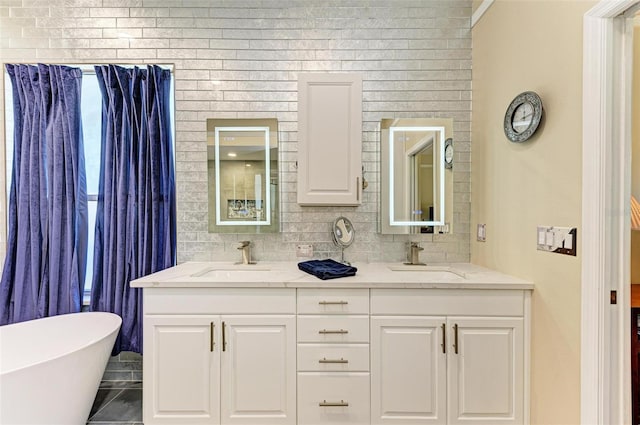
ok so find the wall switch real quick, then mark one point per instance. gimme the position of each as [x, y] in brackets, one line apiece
[482, 233]
[562, 240]
[305, 250]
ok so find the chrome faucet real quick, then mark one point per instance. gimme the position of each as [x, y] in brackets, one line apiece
[245, 247]
[414, 253]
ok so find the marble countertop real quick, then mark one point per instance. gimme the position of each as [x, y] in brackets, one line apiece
[369, 275]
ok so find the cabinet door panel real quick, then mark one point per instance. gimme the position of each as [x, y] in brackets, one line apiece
[330, 139]
[486, 379]
[258, 370]
[408, 370]
[181, 384]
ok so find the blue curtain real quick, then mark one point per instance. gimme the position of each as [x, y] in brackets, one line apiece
[135, 222]
[45, 264]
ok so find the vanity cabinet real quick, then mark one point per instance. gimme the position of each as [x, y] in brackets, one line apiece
[220, 368]
[385, 353]
[329, 139]
[464, 364]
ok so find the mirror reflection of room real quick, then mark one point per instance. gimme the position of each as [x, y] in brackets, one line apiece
[243, 175]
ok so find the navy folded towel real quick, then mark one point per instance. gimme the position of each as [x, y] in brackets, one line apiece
[327, 269]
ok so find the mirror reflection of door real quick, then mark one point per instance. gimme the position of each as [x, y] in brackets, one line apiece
[416, 180]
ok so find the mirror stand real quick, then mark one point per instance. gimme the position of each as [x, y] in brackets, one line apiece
[343, 235]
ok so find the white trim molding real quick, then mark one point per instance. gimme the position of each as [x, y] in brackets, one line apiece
[480, 11]
[605, 183]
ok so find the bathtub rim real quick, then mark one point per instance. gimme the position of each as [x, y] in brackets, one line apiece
[67, 352]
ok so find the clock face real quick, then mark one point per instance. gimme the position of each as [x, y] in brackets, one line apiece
[448, 154]
[523, 117]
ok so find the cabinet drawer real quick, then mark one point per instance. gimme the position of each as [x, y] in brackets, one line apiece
[333, 328]
[333, 301]
[333, 357]
[219, 301]
[333, 398]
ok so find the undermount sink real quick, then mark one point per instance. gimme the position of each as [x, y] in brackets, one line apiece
[227, 270]
[434, 272]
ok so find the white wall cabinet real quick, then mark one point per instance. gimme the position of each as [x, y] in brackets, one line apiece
[336, 356]
[329, 139]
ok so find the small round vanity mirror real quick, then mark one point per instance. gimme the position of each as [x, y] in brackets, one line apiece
[343, 232]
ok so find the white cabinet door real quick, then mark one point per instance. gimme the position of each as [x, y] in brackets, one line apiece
[258, 370]
[329, 139]
[181, 364]
[408, 370]
[486, 375]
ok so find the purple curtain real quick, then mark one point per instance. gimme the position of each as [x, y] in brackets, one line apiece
[45, 264]
[135, 222]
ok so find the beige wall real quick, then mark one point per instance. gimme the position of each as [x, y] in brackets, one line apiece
[518, 46]
[635, 149]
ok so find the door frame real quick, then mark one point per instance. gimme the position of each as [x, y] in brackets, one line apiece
[606, 189]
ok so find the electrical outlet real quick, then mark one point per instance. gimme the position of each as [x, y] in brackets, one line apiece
[482, 233]
[305, 250]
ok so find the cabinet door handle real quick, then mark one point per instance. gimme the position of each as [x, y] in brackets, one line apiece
[444, 338]
[341, 403]
[224, 338]
[357, 188]
[455, 338]
[332, 331]
[212, 342]
[326, 360]
[333, 302]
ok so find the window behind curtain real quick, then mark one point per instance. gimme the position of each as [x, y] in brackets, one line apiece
[91, 105]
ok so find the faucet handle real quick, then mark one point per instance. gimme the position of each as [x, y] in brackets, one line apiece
[243, 244]
[416, 246]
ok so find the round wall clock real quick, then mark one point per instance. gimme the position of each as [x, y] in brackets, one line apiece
[448, 153]
[523, 117]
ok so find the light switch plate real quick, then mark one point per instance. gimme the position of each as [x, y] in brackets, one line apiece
[304, 250]
[561, 240]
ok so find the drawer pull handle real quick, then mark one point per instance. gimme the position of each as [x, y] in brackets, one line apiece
[224, 338]
[333, 302]
[332, 331]
[455, 338]
[212, 343]
[341, 403]
[326, 360]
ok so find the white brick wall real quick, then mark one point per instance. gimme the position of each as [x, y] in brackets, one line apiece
[241, 58]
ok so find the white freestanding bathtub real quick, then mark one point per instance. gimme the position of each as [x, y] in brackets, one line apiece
[50, 368]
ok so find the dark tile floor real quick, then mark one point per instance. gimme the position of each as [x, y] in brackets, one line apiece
[117, 403]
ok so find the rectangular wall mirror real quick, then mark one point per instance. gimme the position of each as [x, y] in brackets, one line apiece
[416, 188]
[242, 160]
